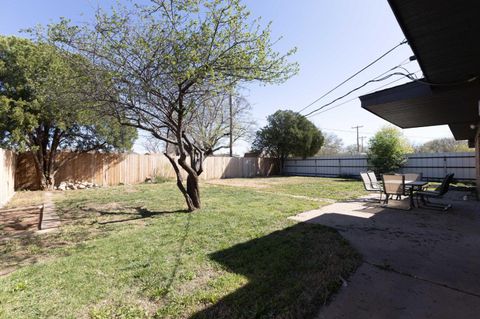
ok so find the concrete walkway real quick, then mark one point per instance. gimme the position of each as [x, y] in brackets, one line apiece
[50, 220]
[417, 264]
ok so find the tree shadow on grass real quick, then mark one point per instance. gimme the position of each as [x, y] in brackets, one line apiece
[29, 248]
[138, 213]
[291, 273]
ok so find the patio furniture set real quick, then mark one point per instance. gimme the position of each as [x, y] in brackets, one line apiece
[410, 185]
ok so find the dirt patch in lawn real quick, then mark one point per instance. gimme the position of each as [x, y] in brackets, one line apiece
[19, 221]
[113, 206]
[25, 199]
[252, 183]
[259, 182]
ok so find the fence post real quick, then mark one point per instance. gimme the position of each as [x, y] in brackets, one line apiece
[316, 167]
[445, 172]
[339, 167]
[104, 171]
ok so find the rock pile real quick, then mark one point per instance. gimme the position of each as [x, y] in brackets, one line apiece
[76, 185]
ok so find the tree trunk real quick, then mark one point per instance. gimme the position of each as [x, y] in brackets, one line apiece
[181, 187]
[193, 190]
[281, 163]
[47, 180]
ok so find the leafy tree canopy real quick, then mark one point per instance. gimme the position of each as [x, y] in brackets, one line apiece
[288, 133]
[168, 58]
[43, 108]
[387, 150]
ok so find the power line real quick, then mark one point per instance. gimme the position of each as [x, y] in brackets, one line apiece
[356, 97]
[355, 89]
[375, 79]
[354, 75]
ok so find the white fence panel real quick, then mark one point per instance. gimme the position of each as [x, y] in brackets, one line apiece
[7, 175]
[433, 166]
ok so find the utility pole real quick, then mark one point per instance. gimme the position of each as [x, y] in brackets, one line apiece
[362, 138]
[358, 137]
[231, 124]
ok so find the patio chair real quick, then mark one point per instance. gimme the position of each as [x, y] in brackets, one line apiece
[413, 176]
[371, 186]
[373, 179]
[394, 185]
[426, 195]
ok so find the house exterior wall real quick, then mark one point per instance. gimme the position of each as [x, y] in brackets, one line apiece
[477, 159]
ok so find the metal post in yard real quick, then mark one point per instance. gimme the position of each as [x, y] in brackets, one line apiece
[445, 166]
[231, 124]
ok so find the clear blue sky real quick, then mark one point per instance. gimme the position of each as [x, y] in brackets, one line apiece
[334, 39]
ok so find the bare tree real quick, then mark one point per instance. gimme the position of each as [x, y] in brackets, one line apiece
[165, 60]
[210, 124]
[332, 145]
[153, 145]
[440, 145]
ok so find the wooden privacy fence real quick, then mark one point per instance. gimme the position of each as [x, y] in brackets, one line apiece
[114, 169]
[7, 175]
[433, 166]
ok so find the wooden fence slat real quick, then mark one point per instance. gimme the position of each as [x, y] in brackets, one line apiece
[113, 169]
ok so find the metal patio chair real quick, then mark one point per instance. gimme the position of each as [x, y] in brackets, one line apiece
[371, 186]
[373, 179]
[426, 195]
[394, 185]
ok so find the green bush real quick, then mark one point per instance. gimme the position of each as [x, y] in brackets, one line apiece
[160, 179]
[387, 150]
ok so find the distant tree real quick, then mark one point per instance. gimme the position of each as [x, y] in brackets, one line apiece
[153, 145]
[43, 108]
[443, 145]
[287, 134]
[387, 150]
[332, 144]
[351, 149]
[210, 125]
[165, 58]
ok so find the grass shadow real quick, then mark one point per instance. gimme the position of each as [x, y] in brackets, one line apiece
[139, 213]
[29, 247]
[291, 273]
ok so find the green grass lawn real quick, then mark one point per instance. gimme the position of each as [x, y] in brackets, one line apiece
[133, 252]
[315, 187]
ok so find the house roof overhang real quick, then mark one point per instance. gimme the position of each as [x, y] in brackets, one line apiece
[444, 38]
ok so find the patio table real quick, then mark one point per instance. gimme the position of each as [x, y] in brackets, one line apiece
[414, 185]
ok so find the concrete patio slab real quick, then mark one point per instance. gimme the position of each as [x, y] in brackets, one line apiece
[377, 294]
[416, 263]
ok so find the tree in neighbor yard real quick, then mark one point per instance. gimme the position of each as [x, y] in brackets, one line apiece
[211, 122]
[387, 150]
[42, 109]
[166, 60]
[287, 134]
[332, 144]
[210, 125]
[443, 145]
